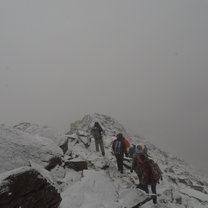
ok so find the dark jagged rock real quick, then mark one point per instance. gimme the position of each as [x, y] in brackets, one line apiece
[27, 188]
[198, 188]
[178, 200]
[127, 166]
[64, 146]
[53, 162]
[76, 165]
[185, 181]
[105, 167]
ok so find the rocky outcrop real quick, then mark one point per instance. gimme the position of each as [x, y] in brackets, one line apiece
[27, 188]
[17, 148]
[77, 165]
[44, 131]
[110, 125]
[64, 145]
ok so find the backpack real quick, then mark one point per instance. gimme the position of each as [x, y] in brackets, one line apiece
[132, 151]
[126, 143]
[156, 173]
[118, 147]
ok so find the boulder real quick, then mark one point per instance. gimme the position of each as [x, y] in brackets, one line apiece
[17, 148]
[26, 187]
[44, 131]
[64, 146]
[76, 164]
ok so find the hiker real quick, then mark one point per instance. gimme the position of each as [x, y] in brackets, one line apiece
[119, 149]
[132, 150]
[96, 132]
[136, 163]
[151, 174]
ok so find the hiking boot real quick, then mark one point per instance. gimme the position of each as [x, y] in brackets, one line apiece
[154, 199]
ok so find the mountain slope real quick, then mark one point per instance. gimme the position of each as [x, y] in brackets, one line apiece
[101, 185]
[181, 187]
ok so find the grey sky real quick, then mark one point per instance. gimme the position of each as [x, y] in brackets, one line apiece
[143, 62]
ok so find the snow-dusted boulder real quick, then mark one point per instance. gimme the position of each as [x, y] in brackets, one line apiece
[17, 148]
[28, 187]
[44, 131]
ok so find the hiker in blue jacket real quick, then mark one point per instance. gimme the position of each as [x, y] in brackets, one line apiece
[119, 149]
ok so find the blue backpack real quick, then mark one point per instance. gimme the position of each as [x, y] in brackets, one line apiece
[118, 147]
[132, 150]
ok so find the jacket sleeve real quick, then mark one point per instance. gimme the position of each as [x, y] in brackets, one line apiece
[125, 149]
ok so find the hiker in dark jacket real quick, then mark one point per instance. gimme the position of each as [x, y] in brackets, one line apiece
[119, 149]
[148, 176]
[96, 132]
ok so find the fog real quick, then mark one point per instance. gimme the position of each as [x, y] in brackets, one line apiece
[141, 62]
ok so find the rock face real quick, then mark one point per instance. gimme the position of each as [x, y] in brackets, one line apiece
[17, 148]
[27, 188]
[44, 131]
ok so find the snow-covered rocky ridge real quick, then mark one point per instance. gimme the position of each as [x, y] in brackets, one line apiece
[101, 185]
[181, 185]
